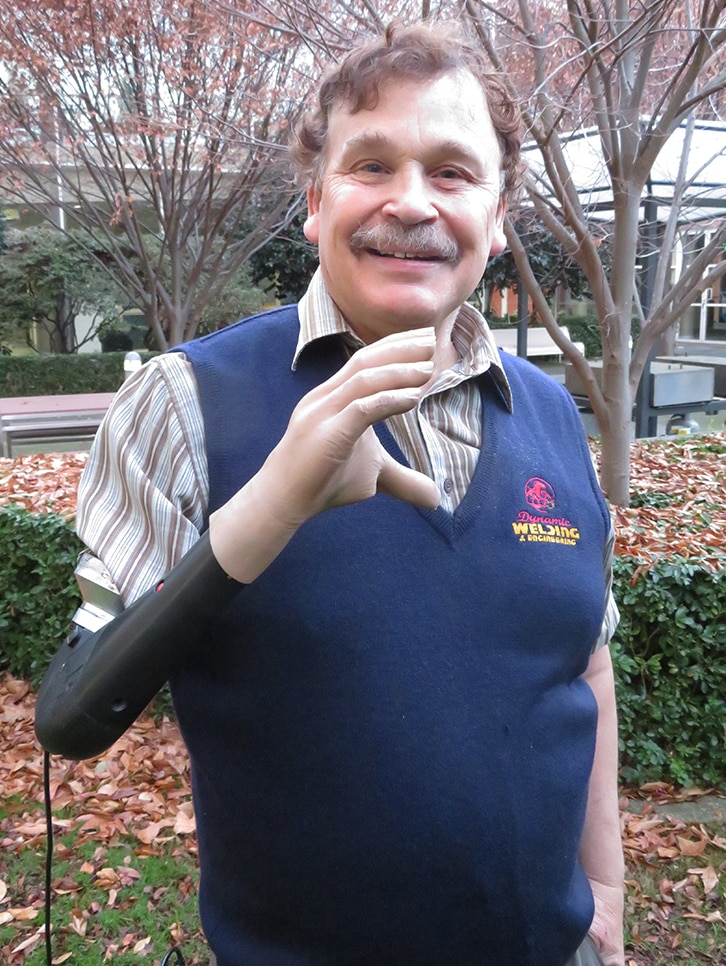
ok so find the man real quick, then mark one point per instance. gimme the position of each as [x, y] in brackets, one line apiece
[402, 728]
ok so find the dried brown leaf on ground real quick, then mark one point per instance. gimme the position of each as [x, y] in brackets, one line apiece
[42, 482]
[677, 503]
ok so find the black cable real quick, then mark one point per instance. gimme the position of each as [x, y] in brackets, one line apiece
[48, 856]
[176, 953]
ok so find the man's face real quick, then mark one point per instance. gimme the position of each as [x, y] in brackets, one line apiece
[417, 176]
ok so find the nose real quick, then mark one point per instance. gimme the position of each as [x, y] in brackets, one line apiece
[411, 199]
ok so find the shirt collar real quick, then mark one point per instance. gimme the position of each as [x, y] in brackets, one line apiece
[472, 337]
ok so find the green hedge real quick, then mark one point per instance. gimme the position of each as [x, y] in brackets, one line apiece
[669, 651]
[62, 375]
[670, 659]
[39, 596]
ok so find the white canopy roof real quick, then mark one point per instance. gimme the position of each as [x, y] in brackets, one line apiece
[705, 194]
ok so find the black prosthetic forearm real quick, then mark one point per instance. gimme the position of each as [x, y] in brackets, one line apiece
[100, 681]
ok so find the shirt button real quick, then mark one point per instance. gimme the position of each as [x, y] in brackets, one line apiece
[448, 485]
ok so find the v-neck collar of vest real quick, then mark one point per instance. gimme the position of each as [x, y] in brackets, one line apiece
[453, 525]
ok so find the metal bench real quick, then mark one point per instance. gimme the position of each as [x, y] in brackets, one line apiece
[39, 419]
[39, 428]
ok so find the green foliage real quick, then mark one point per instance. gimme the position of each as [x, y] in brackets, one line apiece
[46, 279]
[238, 300]
[654, 498]
[48, 375]
[115, 339]
[670, 663]
[585, 329]
[286, 263]
[551, 265]
[37, 557]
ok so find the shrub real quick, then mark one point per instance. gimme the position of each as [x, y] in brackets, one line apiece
[116, 340]
[37, 557]
[670, 663]
[62, 375]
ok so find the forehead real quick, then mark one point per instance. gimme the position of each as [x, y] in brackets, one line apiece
[446, 112]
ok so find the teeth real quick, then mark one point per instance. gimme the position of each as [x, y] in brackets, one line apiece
[401, 255]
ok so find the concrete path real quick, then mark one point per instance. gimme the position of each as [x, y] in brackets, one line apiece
[707, 810]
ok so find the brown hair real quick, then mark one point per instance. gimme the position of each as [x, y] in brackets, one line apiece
[419, 52]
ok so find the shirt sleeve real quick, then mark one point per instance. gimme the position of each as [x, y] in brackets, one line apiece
[612, 614]
[143, 496]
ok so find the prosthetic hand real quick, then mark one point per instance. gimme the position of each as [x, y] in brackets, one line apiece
[114, 661]
[329, 455]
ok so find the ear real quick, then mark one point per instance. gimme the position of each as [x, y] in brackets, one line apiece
[311, 228]
[499, 239]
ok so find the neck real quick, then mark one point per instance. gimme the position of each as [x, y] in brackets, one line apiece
[445, 354]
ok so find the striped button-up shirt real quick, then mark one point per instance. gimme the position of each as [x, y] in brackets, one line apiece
[143, 498]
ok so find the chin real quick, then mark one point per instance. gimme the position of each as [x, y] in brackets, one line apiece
[418, 316]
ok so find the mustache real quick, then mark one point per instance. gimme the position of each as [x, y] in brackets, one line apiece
[414, 239]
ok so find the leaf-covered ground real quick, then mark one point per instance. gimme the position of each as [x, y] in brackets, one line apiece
[42, 482]
[677, 503]
[111, 815]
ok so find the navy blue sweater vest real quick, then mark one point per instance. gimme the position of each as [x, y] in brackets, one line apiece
[390, 736]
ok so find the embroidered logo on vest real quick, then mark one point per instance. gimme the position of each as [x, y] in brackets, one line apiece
[539, 494]
[538, 524]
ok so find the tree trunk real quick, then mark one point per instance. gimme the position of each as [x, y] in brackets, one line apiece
[616, 433]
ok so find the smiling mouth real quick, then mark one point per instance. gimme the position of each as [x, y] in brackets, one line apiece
[408, 256]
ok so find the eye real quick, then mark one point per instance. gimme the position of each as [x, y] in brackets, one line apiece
[370, 168]
[450, 174]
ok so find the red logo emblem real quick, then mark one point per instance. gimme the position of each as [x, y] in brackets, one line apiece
[539, 495]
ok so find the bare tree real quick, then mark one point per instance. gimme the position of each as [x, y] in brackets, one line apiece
[634, 73]
[154, 126]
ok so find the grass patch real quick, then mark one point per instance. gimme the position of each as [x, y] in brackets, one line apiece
[674, 914]
[121, 903]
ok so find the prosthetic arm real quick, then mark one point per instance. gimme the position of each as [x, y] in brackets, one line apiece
[105, 673]
[114, 661]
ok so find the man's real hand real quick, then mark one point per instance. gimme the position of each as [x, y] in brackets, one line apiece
[607, 925]
[330, 455]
